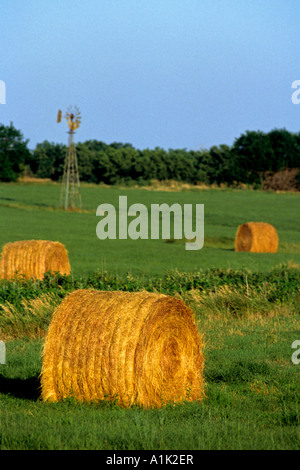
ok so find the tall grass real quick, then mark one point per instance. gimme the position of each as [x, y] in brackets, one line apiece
[252, 399]
[227, 302]
[213, 295]
[249, 323]
[29, 319]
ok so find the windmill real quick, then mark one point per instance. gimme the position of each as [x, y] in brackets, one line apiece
[70, 197]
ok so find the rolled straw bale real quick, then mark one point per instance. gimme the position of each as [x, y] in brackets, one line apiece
[256, 237]
[32, 258]
[139, 348]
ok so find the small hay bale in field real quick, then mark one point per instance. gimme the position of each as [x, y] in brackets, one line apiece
[32, 258]
[139, 348]
[256, 237]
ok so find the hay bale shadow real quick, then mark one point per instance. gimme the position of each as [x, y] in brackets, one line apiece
[28, 389]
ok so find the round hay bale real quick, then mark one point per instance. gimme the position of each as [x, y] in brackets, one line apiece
[32, 258]
[137, 348]
[256, 237]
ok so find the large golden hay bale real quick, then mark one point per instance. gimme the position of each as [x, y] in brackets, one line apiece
[32, 258]
[139, 348]
[256, 237]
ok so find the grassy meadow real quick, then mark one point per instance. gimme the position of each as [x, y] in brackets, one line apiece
[31, 211]
[249, 324]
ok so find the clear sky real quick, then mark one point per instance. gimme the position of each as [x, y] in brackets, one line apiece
[153, 73]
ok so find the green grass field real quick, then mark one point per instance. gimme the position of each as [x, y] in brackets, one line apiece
[252, 385]
[252, 399]
[30, 211]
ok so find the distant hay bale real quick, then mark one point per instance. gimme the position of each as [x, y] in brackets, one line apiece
[32, 258]
[139, 348]
[256, 237]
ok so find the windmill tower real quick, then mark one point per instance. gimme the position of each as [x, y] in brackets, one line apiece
[70, 197]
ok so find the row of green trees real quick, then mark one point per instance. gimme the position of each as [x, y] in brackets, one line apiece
[251, 156]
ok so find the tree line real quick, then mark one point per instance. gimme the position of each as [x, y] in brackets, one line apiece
[252, 156]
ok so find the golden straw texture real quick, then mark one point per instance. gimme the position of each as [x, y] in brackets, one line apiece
[256, 237]
[139, 348]
[32, 258]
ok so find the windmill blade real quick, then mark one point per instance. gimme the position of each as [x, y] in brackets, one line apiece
[58, 116]
[73, 117]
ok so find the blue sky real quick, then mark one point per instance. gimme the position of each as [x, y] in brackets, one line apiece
[167, 73]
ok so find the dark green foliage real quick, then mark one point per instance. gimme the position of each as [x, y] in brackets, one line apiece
[48, 160]
[255, 153]
[215, 165]
[13, 153]
[252, 155]
[278, 285]
[285, 147]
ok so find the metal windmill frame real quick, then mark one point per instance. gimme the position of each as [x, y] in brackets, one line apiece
[70, 197]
